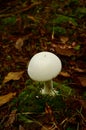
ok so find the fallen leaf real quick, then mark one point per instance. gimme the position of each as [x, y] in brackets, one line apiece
[6, 98]
[77, 69]
[19, 43]
[11, 118]
[13, 76]
[65, 74]
[47, 127]
[52, 126]
[32, 18]
[21, 127]
[49, 113]
[64, 39]
[83, 103]
[64, 50]
[82, 81]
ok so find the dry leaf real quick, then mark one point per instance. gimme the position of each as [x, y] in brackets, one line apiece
[19, 43]
[11, 118]
[83, 103]
[46, 127]
[64, 39]
[32, 18]
[78, 69]
[13, 76]
[82, 81]
[21, 127]
[65, 50]
[65, 74]
[50, 127]
[6, 98]
[49, 113]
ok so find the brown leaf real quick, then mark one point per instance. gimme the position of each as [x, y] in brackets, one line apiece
[77, 69]
[19, 43]
[65, 74]
[13, 76]
[83, 103]
[50, 127]
[32, 18]
[46, 127]
[6, 98]
[21, 127]
[49, 113]
[64, 39]
[65, 50]
[11, 118]
[82, 81]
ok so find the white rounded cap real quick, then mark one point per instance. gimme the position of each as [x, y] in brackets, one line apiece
[44, 66]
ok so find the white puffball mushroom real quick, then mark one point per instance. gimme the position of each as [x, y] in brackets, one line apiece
[44, 66]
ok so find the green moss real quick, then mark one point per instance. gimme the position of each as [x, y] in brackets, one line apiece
[33, 101]
[77, 48]
[64, 19]
[80, 12]
[9, 20]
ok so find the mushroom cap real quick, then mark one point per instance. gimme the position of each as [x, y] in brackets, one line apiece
[44, 66]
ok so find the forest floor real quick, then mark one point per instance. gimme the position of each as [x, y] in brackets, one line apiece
[27, 28]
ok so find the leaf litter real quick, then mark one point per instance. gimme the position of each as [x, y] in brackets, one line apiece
[30, 35]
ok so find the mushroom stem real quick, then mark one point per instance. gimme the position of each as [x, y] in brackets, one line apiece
[48, 88]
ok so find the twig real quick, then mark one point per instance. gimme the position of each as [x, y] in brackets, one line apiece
[4, 10]
[83, 118]
[54, 126]
[78, 126]
[20, 11]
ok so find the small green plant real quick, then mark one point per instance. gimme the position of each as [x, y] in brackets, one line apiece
[9, 20]
[64, 89]
[64, 19]
[84, 95]
[9, 57]
[59, 30]
[80, 12]
[69, 128]
[77, 48]
[25, 118]
[60, 23]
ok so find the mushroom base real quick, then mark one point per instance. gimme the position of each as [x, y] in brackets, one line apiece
[48, 88]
